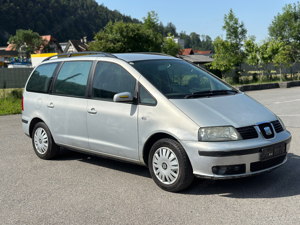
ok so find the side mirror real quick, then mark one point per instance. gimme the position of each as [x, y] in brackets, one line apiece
[123, 97]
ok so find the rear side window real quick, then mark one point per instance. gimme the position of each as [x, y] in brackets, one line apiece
[111, 79]
[41, 78]
[72, 78]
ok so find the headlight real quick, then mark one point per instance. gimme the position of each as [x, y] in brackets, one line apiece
[280, 121]
[218, 134]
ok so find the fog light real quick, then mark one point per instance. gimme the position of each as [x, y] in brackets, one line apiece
[229, 170]
[220, 170]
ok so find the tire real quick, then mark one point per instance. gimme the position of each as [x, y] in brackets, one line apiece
[169, 165]
[42, 141]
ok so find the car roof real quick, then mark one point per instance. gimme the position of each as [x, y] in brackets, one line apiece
[128, 57]
[131, 57]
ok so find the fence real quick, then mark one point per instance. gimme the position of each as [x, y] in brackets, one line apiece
[14, 77]
[248, 70]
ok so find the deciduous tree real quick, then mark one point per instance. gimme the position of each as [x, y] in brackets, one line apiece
[126, 37]
[281, 51]
[27, 40]
[170, 47]
[286, 25]
[224, 59]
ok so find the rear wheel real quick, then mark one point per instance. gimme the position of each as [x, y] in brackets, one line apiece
[42, 141]
[169, 165]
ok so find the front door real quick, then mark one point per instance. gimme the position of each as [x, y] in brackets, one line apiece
[112, 126]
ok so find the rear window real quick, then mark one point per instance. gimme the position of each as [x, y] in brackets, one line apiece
[41, 78]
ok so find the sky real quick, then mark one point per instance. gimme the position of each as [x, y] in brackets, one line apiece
[204, 17]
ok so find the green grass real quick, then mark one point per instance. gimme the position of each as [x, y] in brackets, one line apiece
[10, 101]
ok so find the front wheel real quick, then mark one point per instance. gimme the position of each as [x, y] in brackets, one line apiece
[42, 141]
[169, 165]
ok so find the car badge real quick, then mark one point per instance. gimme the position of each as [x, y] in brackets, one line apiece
[268, 131]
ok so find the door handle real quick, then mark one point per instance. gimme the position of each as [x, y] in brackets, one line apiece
[92, 111]
[50, 105]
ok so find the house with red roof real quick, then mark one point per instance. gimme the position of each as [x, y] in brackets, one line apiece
[189, 51]
[53, 46]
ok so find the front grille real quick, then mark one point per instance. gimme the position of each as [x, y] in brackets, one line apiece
[277, 126]
[266, 130]
[261, 165]
[247, 132]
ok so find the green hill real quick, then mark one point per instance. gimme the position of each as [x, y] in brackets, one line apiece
[64, 19]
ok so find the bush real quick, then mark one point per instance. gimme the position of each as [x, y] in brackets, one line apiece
[244, 80]
[17, 93]
[255, 77]
[230, 81]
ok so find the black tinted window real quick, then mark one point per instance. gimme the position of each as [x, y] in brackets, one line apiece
[41, 77]
[111, 79]
[72, 78]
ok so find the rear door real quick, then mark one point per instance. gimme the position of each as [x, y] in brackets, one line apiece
[112, 126]
[36, 93]
[67, 105]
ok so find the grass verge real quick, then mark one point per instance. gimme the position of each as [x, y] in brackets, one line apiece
[10, 101]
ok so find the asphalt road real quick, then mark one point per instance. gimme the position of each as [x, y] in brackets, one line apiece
[81, 189]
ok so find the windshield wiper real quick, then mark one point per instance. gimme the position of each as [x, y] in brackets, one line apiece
[211, 93]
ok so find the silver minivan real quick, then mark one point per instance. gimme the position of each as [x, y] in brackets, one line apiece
[154, 110]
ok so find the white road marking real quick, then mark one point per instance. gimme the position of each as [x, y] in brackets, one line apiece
[295, 100]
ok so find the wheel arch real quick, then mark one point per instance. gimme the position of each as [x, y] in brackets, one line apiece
[151, 140]
[33, 122]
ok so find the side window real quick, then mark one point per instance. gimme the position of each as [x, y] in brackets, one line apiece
[111, 79]
[72, 78]
[41, 77]
[145, 97]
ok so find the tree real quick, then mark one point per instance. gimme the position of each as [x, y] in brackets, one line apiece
[126, 37]
[252, 52]
[235, 34]
[27, 40]
[195, 40]
[281, 51]
[161, 28]
[151, 22]
[206, 43]
[286, 26]
[186, 38]
[170, 47]
[259, 56]
[224, 59]
[266, 55]
[170, 28]
[235, 31]
[229, 54]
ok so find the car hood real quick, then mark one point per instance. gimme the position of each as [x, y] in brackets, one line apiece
[235, 110]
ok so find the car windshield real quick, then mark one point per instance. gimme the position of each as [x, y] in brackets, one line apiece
[179, 79]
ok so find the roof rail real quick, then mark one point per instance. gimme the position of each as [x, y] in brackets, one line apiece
[151, 53]
[70, 54]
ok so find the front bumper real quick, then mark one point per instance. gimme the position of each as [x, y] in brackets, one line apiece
[206, 155]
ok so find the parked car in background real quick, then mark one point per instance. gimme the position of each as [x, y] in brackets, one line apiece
[153, 110]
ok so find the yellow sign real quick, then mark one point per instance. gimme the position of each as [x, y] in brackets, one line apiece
[43, 55]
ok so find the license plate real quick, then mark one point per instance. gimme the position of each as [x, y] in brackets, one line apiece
[271, 152]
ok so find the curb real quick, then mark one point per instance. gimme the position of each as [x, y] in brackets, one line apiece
[255, 87]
